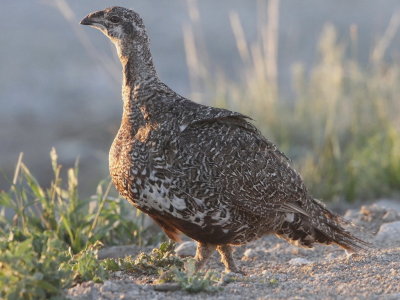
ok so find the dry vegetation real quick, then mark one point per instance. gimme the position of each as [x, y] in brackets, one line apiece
[341, 127]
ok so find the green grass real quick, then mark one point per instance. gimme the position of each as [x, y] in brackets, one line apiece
[59, 209]
[40, 265]
[160, 259]
[190, 280]
[50, 243]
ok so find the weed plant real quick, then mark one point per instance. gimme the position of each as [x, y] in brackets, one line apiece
[51, 241]
[194, 281]
[160, 259]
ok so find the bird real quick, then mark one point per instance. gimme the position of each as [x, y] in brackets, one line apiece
[201, 171]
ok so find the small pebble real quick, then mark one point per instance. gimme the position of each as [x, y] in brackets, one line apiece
[109, 286]
[299, 261]
[166, 287]
[390, 216]
[249, 253]
[388, 234]
[230, 277]
[118, 273]
[186, 249]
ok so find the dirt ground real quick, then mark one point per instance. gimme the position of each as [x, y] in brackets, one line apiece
[276, 270]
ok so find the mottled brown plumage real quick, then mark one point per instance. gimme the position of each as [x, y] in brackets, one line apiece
[203, 171]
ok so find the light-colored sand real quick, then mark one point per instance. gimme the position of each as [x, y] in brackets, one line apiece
[277, 270]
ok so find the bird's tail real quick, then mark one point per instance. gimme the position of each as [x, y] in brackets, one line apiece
[321, 226]
[333, 228]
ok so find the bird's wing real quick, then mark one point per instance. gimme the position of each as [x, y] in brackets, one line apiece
[198, 115]
[224, 158]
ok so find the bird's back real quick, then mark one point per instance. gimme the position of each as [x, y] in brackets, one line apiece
[207, 167]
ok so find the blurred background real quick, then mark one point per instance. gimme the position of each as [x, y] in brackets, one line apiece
[320, 78]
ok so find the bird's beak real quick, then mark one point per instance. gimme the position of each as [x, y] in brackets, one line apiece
[94, 20]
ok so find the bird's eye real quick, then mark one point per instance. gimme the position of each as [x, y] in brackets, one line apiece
[115, 19]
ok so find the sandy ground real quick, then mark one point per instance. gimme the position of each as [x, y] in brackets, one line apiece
[276, 270]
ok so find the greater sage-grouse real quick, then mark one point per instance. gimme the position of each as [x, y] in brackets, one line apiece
[203, 171]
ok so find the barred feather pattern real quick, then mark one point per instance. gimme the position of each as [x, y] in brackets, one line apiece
[204, 171]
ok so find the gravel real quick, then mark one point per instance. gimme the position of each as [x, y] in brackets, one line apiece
[186, 249]
[276, 270]
[389, 234]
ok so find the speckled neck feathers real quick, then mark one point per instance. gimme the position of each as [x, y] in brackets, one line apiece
[137, 63]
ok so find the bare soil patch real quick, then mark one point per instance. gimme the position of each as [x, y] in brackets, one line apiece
[277, 270]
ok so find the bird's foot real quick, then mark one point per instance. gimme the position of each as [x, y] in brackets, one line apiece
[227, 259]
[203, 253]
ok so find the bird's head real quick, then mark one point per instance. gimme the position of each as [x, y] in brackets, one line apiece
[126, 30]
[118, 24]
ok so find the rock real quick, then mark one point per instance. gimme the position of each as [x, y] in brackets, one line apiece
[391, 215]
[166, 287]
[299, 261]
[186, 249]
[352, 214]
[388, 234]
[253, 253]
[280, 277]
[389, 204]
[230, 277]
[118, 274]
[110, 286]
[85, 290]
[372, 216]
[130, 295]
[331, 256]
[373, 211]
[250, 253]
[117, 251]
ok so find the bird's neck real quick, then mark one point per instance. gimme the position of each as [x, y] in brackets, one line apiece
[138, 71]
[139, 78]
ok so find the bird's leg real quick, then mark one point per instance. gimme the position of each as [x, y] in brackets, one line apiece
[226, 258]
[203, 253]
